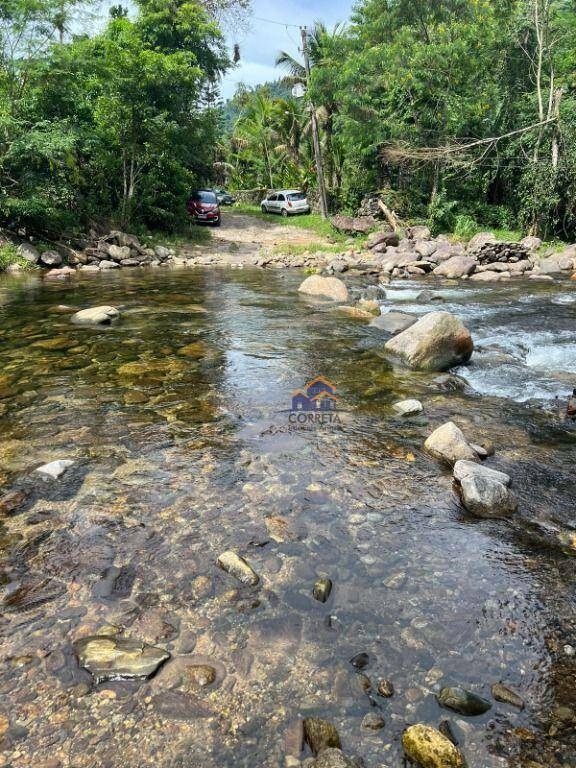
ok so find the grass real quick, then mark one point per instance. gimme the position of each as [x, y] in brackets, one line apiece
[9, 255]
[298, 249]
[189, 234]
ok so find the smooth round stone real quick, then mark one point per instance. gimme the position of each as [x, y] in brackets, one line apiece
[372, 722]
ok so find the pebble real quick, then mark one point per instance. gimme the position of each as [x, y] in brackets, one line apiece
[463, 701]
[360, 661]
[236, 566]
[372, 722]
[322, 590]
[505, 695]
[385, 688]
[55, 469]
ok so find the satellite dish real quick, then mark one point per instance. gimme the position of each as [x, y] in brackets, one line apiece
[298, 91]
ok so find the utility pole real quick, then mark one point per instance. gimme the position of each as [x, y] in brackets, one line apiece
[315, 137]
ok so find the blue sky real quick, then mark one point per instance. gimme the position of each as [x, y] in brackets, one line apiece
[260, 44]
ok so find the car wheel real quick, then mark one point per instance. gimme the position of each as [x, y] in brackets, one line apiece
[285, 212]
[217, 222]
[264, 209]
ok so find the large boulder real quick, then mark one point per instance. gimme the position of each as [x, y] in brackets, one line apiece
[418, 233]
[480, 240]
[387, 237]
[557, 263]
[448, 444]
[29, 253]
[118, 252]
[51, 259]
[425, 248]
[104, 315]
[456, 266]
[353, 225]
[436, 342]
[430, 749]
[485, 496]
[333, 758]
[489, 277]
[328, 287]
[464, 469]
[531, 243]
[394, 322]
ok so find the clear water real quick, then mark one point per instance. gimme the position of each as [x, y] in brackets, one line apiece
[177, 420]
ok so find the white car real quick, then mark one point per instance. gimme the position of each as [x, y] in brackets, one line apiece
[286, 202]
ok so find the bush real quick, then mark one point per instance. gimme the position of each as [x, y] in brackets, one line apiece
[9, 255]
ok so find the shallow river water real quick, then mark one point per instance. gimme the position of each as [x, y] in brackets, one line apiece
[178, 421]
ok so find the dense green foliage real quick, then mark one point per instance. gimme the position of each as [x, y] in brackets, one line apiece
[418, 98]
[120, 124]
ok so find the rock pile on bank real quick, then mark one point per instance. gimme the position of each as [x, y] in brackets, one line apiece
[113, 250]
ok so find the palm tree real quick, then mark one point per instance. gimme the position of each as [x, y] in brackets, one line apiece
[321, 46]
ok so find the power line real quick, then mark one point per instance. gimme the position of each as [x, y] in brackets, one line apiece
[278, 23]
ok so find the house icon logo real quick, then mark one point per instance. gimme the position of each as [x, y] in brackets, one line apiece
[317, 396]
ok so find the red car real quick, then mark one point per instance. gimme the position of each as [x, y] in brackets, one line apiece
[203, 206]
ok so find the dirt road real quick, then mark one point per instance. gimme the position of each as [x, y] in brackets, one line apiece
[242, 238]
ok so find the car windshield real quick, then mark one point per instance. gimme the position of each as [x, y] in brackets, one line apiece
[297, 196]
[204, 197]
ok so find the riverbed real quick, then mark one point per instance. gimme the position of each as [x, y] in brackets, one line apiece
[178, 421]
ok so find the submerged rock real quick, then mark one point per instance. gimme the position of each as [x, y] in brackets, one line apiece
[408, 407]
[373, 722]
[430, 749]
[55, 469]
[104, 315]
[360, 661]
[448, 444]
[385, 688]
[115, 658]
[236, 566]
[393, 322]
[328, 287]
[436, 342]
[320, 734]
[322, 590]
[486, 497]
[506, 696]
[333, 758]
[462, 701]
[464, 469]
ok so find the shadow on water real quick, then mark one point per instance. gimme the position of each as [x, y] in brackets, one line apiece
[177, 420]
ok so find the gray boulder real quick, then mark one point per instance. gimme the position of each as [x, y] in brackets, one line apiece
[332, 758]
[408, 407]
[29, 253]
[556, 264]
[106, 264]
[480, 240]
[456, 266]
[387, 237]
[118, 252]
[51, 259]
[531, 243]
[486, 497]
[448, 444]
[436, 342]
[394, 322]
[489, 277]
[161, 252]
[104, 315]
[418, 233]
[425, 248]
[464, 469]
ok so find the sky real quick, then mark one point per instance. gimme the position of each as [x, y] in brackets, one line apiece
[261, 43]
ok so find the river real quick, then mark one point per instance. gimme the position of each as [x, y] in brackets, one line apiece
[178, 420]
